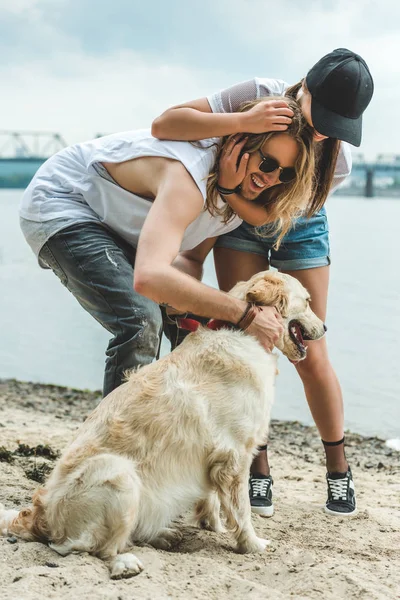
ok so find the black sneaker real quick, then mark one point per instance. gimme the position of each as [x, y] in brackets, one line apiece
[260, 491]
[341, 494]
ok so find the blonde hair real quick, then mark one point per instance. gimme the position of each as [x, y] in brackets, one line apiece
[283, 202]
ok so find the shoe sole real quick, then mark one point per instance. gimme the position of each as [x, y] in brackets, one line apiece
[335, 513]
[263, 511]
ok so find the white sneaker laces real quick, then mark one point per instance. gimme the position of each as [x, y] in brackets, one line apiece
[338, 488]
[260, 486]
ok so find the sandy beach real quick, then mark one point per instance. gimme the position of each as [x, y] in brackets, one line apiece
[311, 554]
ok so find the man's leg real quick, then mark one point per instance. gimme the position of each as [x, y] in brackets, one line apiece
[97, 268]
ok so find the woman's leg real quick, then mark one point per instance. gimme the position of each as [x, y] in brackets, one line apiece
[306, 251]
[96, 266]
[321, 385]
[325, 400]
[232, 266]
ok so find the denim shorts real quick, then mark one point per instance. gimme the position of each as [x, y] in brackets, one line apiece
[305, 246]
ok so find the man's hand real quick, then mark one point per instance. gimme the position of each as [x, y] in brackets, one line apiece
[267, 327]
[268, 115]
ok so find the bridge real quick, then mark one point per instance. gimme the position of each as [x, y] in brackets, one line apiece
[22, 153]
[376, 178]
[30, 144]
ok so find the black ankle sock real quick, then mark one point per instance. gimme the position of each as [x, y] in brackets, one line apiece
[335, 455]
[329, 444]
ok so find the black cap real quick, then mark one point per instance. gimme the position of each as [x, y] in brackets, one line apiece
[341, 88]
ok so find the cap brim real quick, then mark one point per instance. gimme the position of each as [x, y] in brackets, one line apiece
[336, 126]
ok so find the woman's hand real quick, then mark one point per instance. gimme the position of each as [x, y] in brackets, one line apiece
[232, 170]
[269, 115]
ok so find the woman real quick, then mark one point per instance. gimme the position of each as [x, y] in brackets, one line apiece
[333, 96]
[110, 216]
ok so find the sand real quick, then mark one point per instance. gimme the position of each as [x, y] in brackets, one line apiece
[311, 554]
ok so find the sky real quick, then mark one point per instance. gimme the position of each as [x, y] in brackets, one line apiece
[86, 67]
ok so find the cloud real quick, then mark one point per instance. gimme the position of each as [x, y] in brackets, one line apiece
[80, 66]
[19, 7]
[96, 95]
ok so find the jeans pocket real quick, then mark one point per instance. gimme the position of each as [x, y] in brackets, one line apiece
[49, 259]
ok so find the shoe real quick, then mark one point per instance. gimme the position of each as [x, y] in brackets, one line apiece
[341, 494]
[260, 491]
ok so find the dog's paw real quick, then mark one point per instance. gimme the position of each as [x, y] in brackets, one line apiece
[211, 524]
[167, 539]
[207, 514]
[124, 566]
[6, 518]
[253, 545]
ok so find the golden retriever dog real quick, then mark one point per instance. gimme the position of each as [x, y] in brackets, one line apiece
[181, 433]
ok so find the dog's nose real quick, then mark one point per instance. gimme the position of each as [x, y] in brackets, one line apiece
[325, 327]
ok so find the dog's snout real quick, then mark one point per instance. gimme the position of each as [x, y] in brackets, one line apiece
[325, 327]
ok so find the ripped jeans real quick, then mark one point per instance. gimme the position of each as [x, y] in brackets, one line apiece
[96, 266]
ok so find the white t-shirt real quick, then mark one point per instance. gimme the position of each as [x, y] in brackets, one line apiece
[68, 188]
[230, 99]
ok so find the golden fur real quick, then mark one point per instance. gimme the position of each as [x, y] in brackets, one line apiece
[180, 433]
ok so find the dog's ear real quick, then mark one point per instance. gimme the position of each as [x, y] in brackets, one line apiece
[269, 291]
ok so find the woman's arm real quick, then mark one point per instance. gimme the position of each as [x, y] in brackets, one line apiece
[252, 213]
[196, 121]
[178, 202]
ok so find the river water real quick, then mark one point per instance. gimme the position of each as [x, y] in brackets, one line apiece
[47, 337]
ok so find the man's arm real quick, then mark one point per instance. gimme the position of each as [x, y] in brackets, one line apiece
[191, 261]
[177, 204]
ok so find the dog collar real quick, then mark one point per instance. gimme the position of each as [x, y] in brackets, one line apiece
[193, 325]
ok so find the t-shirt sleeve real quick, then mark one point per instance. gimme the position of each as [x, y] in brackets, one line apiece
[343, 166]
[230, 99]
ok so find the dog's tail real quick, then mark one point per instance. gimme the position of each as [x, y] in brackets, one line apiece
[29, 523]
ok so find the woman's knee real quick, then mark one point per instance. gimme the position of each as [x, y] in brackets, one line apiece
[317, 364]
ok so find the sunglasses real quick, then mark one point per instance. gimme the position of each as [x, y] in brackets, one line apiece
[269, 164]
